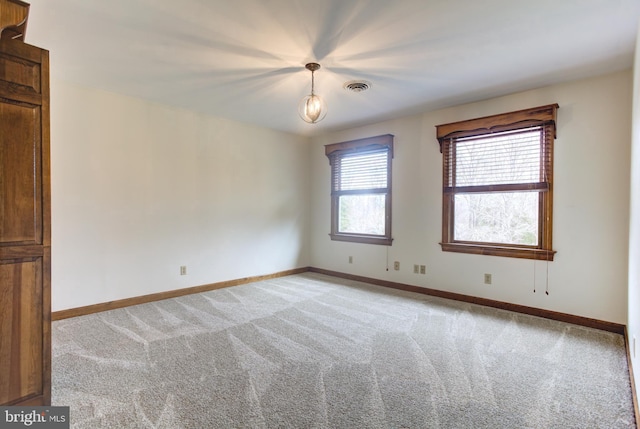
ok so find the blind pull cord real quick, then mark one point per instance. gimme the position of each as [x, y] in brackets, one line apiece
[387, 247]
[547, 291]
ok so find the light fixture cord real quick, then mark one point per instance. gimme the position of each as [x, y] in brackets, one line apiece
[312, 81]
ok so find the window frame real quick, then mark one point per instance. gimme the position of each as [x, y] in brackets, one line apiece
[543, 116]
[337, 151]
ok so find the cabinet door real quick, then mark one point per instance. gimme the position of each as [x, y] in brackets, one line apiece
[25, 252]
[20, 183]
[21, 329]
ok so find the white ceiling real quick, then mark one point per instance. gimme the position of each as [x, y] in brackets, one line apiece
[244, 59]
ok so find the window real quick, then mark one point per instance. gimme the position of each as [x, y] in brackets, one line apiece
[361, 189]
[497, 194]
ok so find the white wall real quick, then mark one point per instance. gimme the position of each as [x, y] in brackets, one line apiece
[591, 212]
[633, 323]
[139, 189]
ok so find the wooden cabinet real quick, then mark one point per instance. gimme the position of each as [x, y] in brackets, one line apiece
[25, 226]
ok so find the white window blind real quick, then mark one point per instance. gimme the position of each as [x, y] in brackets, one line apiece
[511, 160]
[361, 172]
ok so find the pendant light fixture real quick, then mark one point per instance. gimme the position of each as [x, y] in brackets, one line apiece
[312, 108]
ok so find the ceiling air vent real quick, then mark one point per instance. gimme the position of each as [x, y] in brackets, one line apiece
[357, 85]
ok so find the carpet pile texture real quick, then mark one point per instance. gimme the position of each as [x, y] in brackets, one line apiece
[313, 351]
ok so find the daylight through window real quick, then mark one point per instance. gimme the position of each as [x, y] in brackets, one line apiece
[361, 189]
[497, 190]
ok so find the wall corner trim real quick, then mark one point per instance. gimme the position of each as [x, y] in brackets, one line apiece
[634, 394]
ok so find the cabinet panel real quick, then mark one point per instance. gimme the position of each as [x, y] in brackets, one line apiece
[20, 73]
[21, 324]
[20, 181]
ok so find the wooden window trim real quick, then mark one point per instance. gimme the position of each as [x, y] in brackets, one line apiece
[498, 123]
[537, 116]
[337, 150]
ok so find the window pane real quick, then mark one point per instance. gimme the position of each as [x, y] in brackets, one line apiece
[362, 214]
[499, 217]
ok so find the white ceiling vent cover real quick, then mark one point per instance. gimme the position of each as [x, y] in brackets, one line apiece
[357, 85]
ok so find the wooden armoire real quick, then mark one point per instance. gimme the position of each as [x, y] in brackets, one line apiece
[25, 214]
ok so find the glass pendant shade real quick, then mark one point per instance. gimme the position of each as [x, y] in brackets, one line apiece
[312, 109]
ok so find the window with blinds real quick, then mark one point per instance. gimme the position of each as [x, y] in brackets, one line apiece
[497, 184]
[361, 190]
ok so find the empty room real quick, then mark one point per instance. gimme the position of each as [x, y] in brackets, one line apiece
[329, 214]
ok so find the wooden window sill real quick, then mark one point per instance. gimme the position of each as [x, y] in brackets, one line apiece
[506, 251]
[358, 238]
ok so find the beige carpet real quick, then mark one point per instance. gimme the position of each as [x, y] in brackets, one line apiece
[312, 351]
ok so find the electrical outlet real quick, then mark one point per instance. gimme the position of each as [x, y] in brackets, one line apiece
[396, 265]
[183, 270]
[416, 269]
[351, 259]
[423, 269]
[487, 279]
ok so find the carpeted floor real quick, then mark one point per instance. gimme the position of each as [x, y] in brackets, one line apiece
[312, 351]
